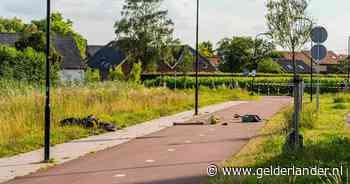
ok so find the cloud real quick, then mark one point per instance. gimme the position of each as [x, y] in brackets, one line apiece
[27, 9]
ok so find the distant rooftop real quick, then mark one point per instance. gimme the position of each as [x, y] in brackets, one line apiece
[65, 46]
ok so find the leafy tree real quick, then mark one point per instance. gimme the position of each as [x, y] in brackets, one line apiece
[269, 66]
[59, 26]
[206, 49]
[289, 23]
[343, 66]
[143, 29]
[262, 50]
[236, 53]
[11, 25]
[37, 41]
[168, 57]
[64, 27]
[276, 54]
[170, 53]
[186, 65]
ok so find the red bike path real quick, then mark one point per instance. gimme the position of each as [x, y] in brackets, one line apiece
[176, 155]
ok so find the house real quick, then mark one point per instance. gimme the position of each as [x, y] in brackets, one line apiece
[327, 65]
[91, 50]
[288, 67]
[72, 66]
[105, 58]
[108, 57]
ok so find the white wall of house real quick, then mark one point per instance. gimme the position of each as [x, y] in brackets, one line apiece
[71, 75]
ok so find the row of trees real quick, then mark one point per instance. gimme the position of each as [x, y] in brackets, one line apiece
[145, 33]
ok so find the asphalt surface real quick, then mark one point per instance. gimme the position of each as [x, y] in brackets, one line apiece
[176, 155]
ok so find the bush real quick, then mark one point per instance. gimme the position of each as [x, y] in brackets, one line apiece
[340, 106]
[135, 74]
[117, 74]
[92, 75]
[265, 85]
[341, 98]
[269, 66]
[28, 65]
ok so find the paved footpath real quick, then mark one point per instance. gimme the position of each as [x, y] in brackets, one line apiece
[174, 155]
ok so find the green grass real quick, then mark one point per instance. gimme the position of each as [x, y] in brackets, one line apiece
[22, 115]
[326, 145]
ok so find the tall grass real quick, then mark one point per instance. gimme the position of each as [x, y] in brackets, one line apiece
[124, 104]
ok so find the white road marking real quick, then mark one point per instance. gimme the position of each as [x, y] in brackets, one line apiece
[188, 141]
[119, 175]
[201, 135]
[171, 150]
[150, 161]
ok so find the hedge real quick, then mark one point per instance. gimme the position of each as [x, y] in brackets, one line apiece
[150, 76]
[266, 85]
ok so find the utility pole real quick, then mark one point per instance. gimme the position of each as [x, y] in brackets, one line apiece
[47, 87]
[197, 60]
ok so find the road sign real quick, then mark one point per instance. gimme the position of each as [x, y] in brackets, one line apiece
[318, 52]
[319, 34]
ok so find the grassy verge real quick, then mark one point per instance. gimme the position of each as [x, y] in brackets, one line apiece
[326, 145]
[22, 117]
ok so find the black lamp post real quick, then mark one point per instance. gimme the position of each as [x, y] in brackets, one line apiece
[197, 59]
[47, 88]
[348, 63]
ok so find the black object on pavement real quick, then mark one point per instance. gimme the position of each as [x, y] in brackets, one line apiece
[89, 122]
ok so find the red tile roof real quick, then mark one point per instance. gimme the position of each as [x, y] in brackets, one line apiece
[298, 56]
[331, 58]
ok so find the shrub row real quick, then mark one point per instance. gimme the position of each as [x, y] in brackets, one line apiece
[266, 85]
[150, 76]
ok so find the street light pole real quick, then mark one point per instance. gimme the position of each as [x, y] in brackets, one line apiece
[348, 63]
[197, 60]
[47, 88]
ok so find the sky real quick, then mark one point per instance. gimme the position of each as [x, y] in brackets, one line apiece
[94, 19]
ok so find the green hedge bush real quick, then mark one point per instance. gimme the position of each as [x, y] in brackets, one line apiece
[265, 85]
[27, 65]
